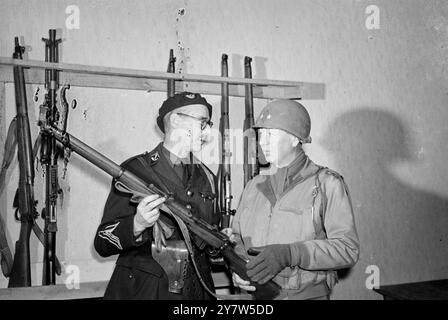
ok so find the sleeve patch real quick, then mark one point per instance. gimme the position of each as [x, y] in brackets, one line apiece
[109, 236]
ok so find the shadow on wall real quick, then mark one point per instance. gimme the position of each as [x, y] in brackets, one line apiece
[402, 230]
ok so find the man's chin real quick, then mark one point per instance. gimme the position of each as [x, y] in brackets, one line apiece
[270, 158]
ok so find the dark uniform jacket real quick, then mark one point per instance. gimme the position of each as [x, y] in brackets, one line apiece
[137, 275]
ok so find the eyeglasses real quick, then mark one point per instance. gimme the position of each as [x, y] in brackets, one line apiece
[204, 121]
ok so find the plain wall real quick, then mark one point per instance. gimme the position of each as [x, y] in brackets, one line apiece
[381, 124]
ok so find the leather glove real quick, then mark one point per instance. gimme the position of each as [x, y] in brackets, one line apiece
[270, 260]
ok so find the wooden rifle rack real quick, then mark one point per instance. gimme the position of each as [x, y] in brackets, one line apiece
[132, 79]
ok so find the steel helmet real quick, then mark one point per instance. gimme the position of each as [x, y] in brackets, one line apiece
[287, 115]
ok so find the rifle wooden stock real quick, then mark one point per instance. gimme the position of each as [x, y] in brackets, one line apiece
[211, 235]
[21, 274]
[250, 166]
[225, 194]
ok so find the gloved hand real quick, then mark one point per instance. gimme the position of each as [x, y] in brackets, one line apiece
[270, 260]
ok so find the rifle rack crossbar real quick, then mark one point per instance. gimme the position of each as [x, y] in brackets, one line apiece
[120, 78]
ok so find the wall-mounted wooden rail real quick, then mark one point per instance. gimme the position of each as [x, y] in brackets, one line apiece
[120, 78]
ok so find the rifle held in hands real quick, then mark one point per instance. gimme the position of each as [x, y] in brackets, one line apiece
[211, 235]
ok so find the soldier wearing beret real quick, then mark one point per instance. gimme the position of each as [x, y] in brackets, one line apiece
[295, 224]
[128, 228]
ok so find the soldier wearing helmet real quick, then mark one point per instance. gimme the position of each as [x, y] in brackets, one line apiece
[295, 223]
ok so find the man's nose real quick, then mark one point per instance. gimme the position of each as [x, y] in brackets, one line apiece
[263, 141]
[205, 134]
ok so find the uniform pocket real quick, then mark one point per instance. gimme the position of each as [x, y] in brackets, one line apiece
[138, 279]
[126, 283]
[301, 220]
[135, 280]
[295, 278]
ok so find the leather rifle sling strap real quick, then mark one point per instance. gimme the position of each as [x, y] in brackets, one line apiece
[5, 253]
[8, 155]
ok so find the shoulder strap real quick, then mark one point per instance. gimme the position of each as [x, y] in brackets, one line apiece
[212, 184]
[318, 190]
[324, 199]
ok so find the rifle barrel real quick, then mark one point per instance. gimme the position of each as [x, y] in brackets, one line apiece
[250, 166]
[225, 172]
[171, 83]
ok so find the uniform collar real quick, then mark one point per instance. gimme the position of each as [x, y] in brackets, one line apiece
[298, 171]
[295, 167]
[171, 158]
[285, 175]
[163, 164]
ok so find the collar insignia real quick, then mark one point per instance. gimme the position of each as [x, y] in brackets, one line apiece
[155, 156]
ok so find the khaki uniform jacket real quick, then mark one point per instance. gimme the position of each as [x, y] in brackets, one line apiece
[314, 214]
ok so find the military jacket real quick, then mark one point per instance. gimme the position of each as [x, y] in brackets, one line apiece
[313, 214]
[137, 275]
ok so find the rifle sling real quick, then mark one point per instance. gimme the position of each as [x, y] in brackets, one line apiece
[40, 235]
[5, 253]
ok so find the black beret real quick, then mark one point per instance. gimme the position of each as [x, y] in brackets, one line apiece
[180, 100]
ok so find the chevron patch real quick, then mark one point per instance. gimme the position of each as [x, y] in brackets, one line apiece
[109, 236]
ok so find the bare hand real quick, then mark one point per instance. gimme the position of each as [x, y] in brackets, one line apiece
[228, 232]
[243, 284]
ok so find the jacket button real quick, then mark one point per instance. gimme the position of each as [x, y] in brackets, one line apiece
[189, 193]
[188, 206]
[131, 276]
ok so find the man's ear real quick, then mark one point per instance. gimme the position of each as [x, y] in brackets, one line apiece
[295, 141]
[174, 120]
